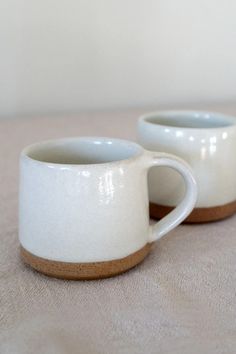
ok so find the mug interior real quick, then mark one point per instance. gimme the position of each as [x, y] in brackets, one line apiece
[82, 151]
[189, 119]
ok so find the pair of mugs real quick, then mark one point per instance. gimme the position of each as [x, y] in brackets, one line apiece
[84, 205]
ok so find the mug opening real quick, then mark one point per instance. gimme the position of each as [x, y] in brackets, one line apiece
[190, 119]
[82, 151]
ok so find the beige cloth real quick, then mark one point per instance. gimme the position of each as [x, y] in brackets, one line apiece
[181, 299]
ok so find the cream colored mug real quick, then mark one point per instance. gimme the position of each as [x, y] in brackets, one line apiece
[83, 211]
[207, 141]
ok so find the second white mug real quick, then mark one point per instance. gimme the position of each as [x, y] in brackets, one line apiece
[207, 141]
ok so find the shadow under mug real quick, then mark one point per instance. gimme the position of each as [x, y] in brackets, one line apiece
[207, 141]
[83, 208]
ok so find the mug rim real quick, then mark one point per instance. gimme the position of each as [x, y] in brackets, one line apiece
[138, 151]
[194, 114]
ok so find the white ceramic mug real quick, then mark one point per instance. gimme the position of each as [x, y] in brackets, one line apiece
[207, 141]
[84, 205]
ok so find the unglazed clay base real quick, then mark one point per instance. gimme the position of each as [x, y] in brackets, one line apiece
[198, 215]
[84, 271]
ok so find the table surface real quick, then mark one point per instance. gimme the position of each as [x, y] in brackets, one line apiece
[181, 299]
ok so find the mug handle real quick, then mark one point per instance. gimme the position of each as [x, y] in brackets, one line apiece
[176, 216]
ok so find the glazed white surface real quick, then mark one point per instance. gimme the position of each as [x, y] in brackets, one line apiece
[209, 147]
[92, 212]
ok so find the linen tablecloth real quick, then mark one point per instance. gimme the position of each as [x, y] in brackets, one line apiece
[181, 299]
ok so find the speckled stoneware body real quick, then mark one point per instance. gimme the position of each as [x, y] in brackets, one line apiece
[207, 141]
[84, 205]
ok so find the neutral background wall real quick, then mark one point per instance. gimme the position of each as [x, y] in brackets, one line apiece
[72, 55]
